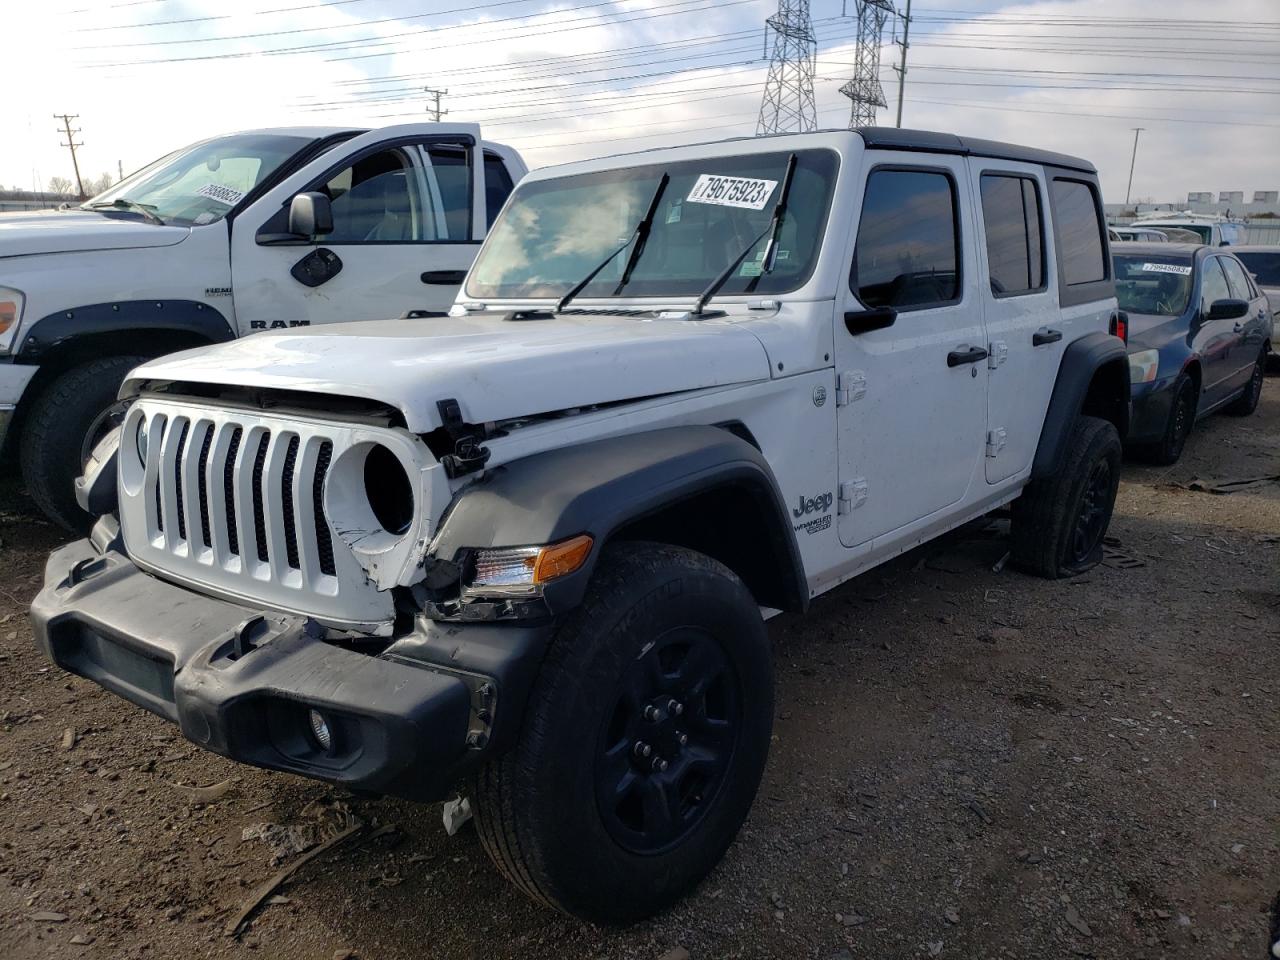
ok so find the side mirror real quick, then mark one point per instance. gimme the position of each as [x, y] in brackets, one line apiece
[1227, 309]
[864, 321]
[310, 215]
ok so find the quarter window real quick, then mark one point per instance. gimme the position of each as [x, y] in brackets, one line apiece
[1011, 220]
[1078, 226]
[907, 253]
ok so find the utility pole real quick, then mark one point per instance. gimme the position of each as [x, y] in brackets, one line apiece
[865, 90]
[434, 108]
[788, 105]
[120, 170]
[66, 119]
[1132, 160]
[902, 68]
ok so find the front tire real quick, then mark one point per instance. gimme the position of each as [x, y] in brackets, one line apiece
[1182, 418]
[1059, 521]
[64, 422]
[1247, 402]
[643, 742]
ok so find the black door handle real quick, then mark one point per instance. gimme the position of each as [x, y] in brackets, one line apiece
[1045, 335]
[965, 355]
[448, 278]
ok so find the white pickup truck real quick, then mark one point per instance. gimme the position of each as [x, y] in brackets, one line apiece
[259, 230]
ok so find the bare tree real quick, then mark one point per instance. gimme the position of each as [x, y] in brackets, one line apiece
[95, 187]
[61, 186]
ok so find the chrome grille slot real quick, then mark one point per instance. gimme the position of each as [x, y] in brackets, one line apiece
[234, 500]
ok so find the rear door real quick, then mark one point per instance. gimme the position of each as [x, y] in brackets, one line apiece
[911, 398]
[409, 215]
[1251, 329]
[1020, 302]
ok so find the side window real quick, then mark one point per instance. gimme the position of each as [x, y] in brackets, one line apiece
[376, 200]
[1239, 283]
[1078, 227]
[449, 179]
[1213, 285]
[1011, 220]
[497, 186]
[907, 253]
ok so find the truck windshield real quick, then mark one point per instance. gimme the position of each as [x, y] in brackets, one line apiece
[1154, 285]
[554, 232]
[201, 183]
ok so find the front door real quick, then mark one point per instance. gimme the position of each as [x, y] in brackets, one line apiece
[912, 395]
[403, 233]
[1214, 339]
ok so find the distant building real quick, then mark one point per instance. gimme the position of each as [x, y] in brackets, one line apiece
[1266, 196]
[1204, 197]
[1231, 196]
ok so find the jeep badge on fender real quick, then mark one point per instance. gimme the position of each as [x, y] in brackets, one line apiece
[524, 551]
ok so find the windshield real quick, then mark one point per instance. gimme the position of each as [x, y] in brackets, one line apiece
[1263, 264]
[1157, 285]
[1201, 230]
[555, 232]
[201, 183]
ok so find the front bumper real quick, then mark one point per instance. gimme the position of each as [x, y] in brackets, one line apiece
[411, 721]
[1150, 404]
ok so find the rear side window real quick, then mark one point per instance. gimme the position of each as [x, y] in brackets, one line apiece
[907, 255]
[1241, 289]
[1078, 226]
[497, 186]
[1213, 286]
[1011, 220]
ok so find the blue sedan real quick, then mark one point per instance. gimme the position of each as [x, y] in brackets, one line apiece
[1199, 333]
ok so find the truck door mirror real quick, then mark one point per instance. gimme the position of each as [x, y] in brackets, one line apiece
[1227, 309]
[310, 215]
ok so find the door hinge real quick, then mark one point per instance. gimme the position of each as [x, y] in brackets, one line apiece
[995, 441]
[853, 494]
[850, 386]
[997, 353]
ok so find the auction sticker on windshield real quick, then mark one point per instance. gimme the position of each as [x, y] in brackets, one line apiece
[745, 192]
[1180, 269]
[228, 195]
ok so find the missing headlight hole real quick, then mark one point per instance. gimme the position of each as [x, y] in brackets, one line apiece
[388, 488]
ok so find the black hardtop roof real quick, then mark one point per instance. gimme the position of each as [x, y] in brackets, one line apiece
[927, 141]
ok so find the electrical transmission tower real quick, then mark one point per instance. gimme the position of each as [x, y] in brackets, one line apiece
[434, 108]
[864, 90]
[788, 105]
[66, 119]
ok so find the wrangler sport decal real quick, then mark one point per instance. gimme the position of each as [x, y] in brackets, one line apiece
[820, 504]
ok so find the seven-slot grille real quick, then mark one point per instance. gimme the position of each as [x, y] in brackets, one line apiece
[220, 490]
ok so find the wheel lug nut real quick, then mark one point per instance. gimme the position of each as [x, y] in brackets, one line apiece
[643, 749]
[651, 712]
[675, 707]
[683, 739]
[659, 764]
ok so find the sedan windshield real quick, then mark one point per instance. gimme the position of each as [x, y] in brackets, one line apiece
[201, 183]
[553, 233]
[1155, 285]
[1263, 264]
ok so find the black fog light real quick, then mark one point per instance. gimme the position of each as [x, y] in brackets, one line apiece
[389, 491]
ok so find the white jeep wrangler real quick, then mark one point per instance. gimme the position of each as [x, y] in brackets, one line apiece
[529, 551]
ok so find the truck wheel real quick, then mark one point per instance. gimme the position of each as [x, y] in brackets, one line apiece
[643, 742]
[70, 415]
[1247, 402]
[1059, 521]
[1182, 417]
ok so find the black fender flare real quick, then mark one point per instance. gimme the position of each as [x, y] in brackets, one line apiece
[94, 319]
[1080, 361]
[600, 486]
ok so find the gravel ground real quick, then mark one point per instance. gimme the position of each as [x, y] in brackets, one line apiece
[966, 764]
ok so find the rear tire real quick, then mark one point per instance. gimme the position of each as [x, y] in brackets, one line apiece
[1059, 521]
[61, 422]
[1247, 402]
[668, 644]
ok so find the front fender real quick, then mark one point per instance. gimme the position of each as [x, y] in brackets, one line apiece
[603, 485]
[1095, 355]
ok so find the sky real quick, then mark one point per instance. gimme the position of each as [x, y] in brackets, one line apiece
[572, 79]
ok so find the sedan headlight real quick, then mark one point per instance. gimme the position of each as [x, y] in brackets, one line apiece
[1143, 366]
[11, 304]
[524, 571]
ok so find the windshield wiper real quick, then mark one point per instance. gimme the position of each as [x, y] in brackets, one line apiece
[766, 262]
[638, 237]
[132, 205]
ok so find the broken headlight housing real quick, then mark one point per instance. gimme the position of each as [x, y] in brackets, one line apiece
[517, 572]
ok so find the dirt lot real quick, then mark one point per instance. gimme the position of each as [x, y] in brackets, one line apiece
[966, 764]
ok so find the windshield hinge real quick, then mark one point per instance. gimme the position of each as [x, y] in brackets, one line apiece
[468, 455]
